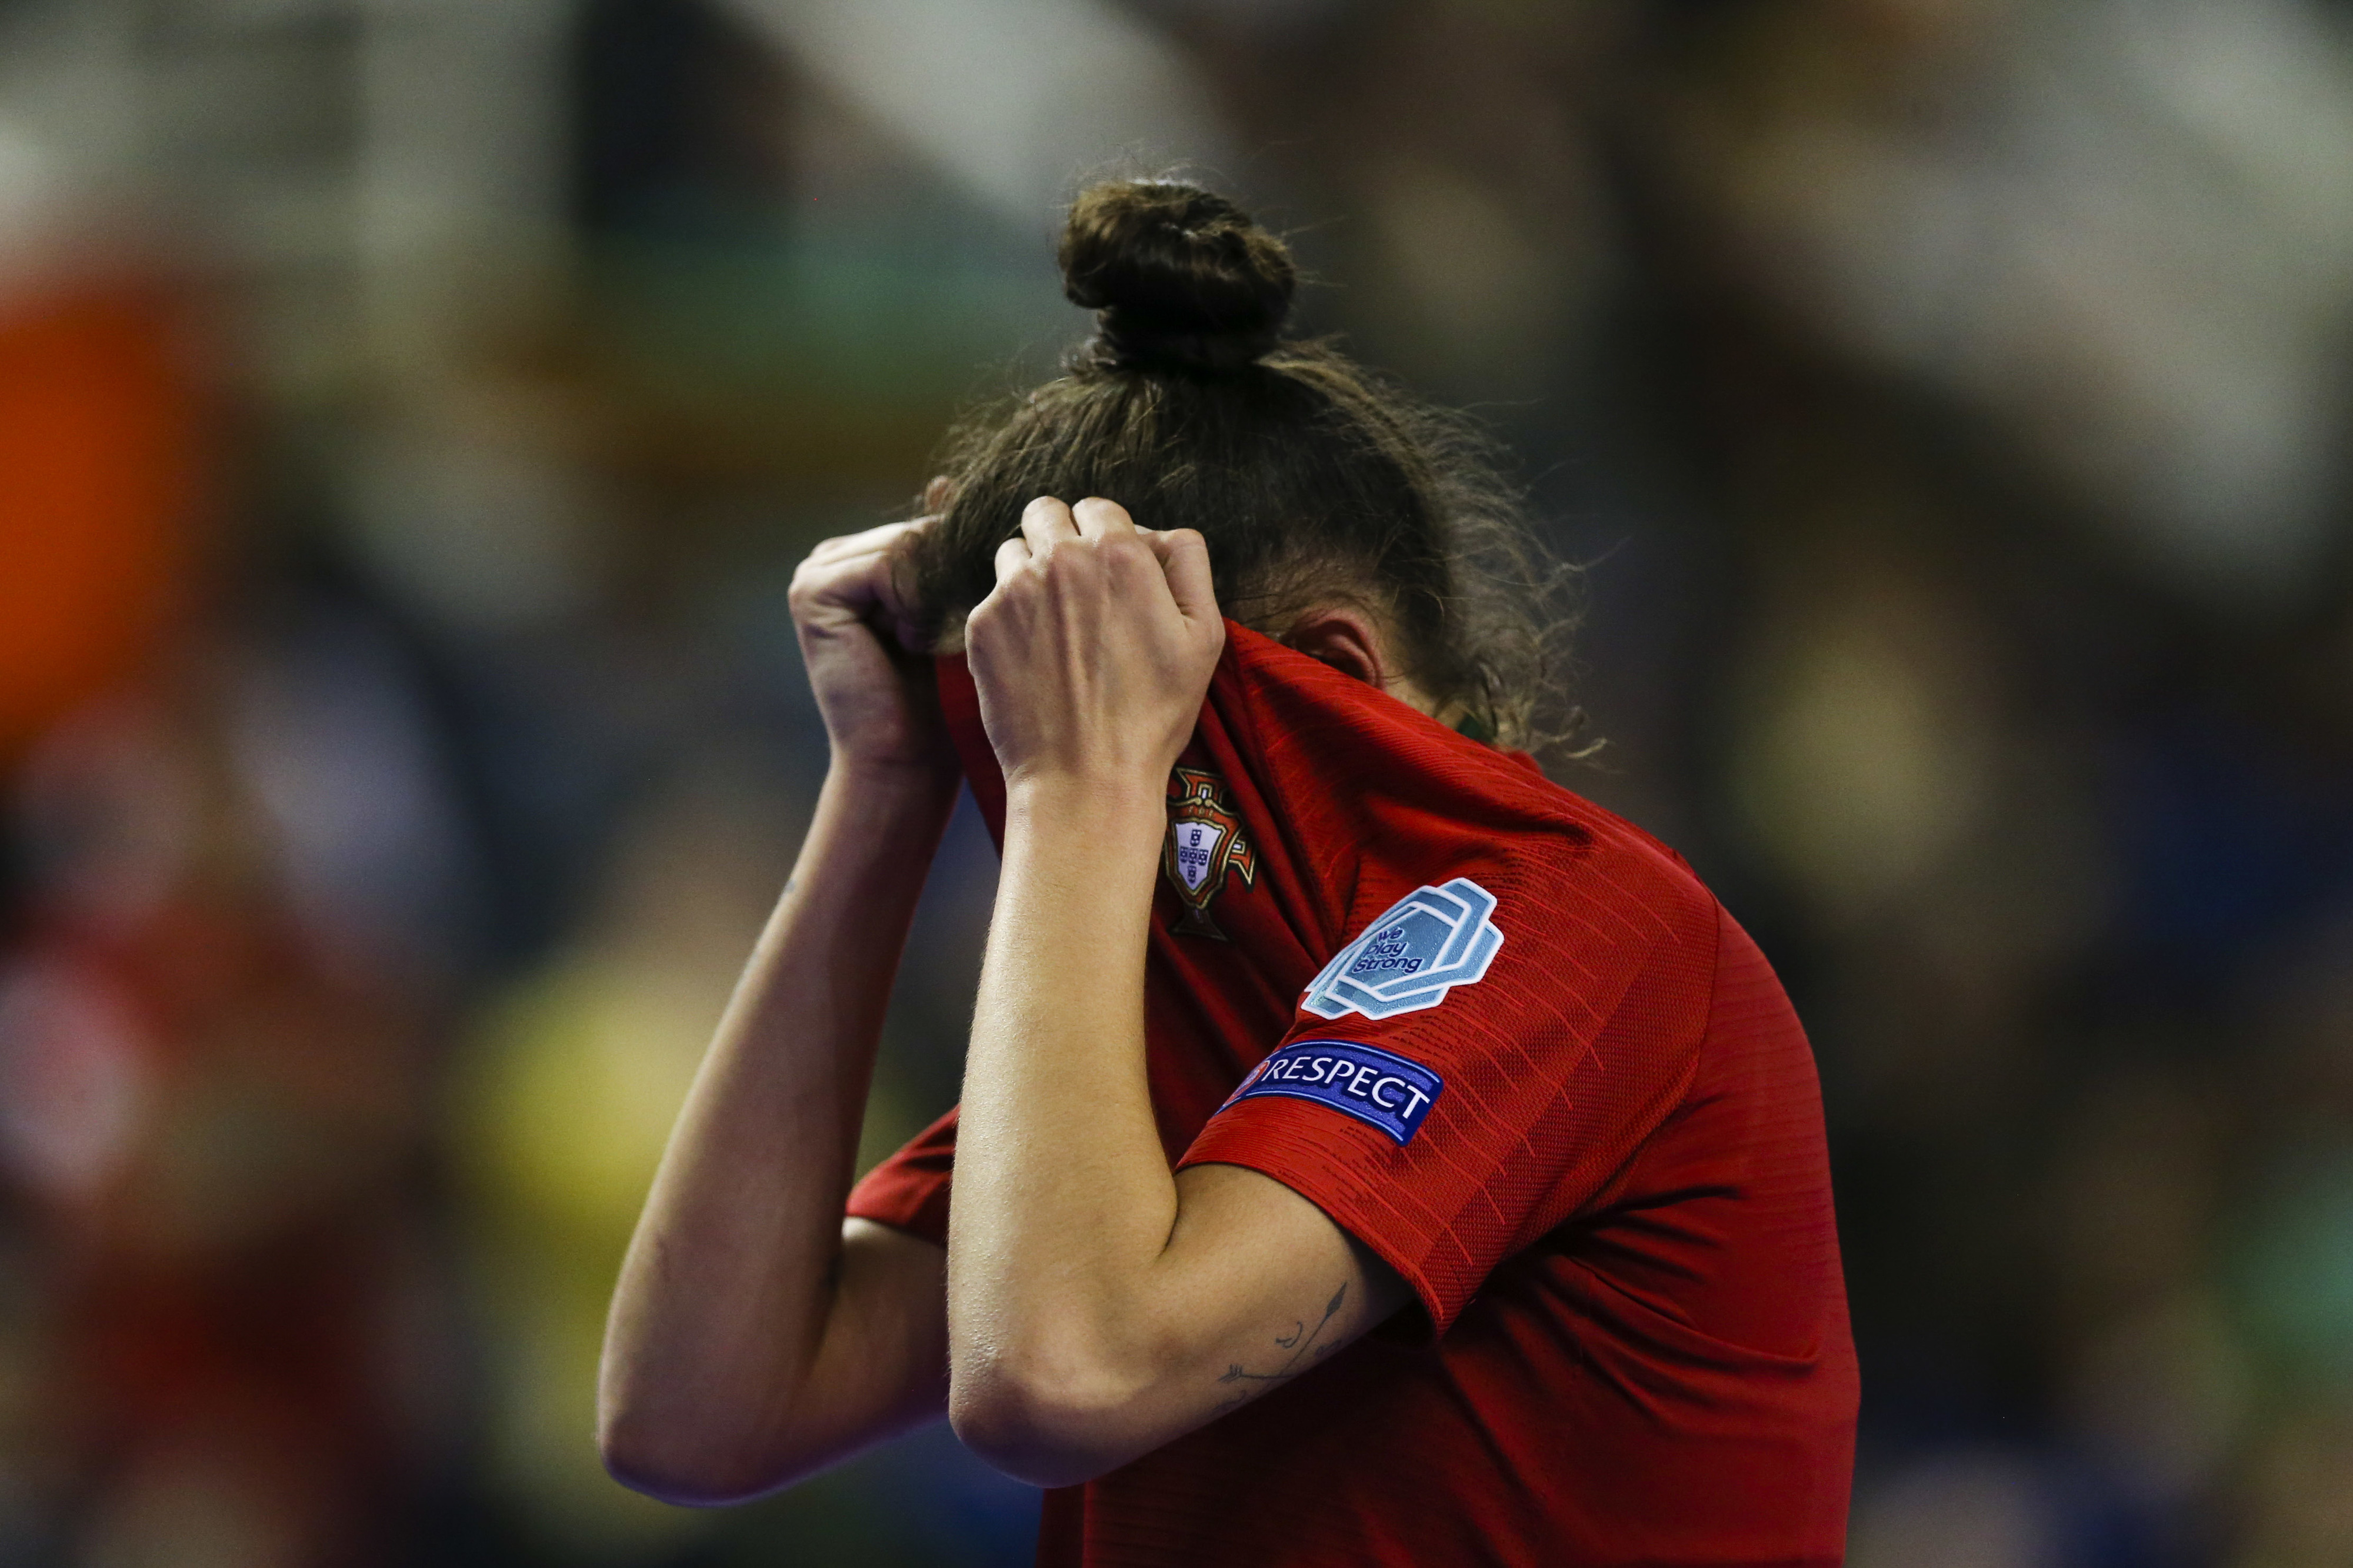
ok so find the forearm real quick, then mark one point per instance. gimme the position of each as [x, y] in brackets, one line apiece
[1098, 1306]
[1065, 1205]
[726, 1296]
[1062, 1190]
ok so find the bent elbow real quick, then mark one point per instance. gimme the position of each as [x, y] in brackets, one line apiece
[683, 1472]
[1047, 1427]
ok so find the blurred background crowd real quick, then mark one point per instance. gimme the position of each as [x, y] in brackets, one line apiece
[411, 412]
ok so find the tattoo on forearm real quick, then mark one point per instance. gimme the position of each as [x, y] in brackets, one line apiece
[1307, 1346]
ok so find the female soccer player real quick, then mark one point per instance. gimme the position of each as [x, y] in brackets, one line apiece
[1370, 1152]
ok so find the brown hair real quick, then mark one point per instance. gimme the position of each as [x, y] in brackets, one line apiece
[1311, 478]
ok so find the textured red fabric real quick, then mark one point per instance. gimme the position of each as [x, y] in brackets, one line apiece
[1631, 1345]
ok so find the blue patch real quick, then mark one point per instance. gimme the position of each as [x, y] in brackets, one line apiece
[1428, 942]
[1388, 1092]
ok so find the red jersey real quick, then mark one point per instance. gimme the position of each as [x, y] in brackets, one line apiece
[1511, 1044]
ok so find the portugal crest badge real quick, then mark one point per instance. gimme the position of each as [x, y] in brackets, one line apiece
[1205, 844]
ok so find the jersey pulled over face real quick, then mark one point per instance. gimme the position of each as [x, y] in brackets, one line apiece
[1511, 1044]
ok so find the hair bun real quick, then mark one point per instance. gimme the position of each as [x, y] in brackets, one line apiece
[1178, 277]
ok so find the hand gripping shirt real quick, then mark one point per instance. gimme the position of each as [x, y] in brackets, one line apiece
[1511, 1044]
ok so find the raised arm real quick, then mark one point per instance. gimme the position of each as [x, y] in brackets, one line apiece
[755, 1336]
[1099, 1307]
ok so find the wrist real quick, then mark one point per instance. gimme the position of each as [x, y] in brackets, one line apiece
[891, 786]
[1111, 814]
[912, 767]
[1112, 798]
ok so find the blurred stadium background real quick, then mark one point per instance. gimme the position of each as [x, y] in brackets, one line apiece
[411, 412]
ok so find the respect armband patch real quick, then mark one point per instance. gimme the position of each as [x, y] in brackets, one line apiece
[1369, 1084]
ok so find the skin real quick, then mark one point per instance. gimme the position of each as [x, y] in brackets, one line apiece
[1090, 1306]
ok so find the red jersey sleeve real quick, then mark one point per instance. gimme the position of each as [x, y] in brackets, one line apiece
[909, 1191]
[1485, 1056]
